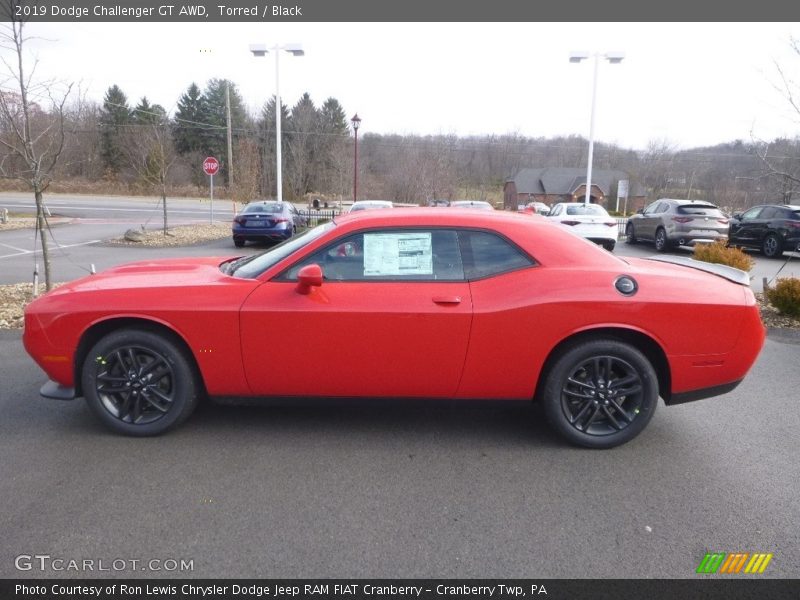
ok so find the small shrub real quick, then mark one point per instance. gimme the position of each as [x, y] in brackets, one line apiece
[785, 296]
[720, 254]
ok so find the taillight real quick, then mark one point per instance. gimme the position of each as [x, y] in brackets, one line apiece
[610, 223]
[723, 221]
[570, 222]
[682, 219]
[281, 220]
[239, 220]
[793, 224]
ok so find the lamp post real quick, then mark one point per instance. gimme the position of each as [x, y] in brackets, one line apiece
[614, 58]
[261, 50]
[356, 121]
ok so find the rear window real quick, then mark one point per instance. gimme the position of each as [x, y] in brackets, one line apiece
[701, 210]
[587, 209]
[262, 208]
[794, 214]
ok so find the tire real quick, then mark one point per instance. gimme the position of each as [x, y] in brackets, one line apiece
[630, 235]
[238, 243]
[586, 408]
[661, 241]
[139, 383]
[771, 246]
[609, 245]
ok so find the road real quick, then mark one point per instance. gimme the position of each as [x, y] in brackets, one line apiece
[434, 491]
[96, 218]
[77, 243]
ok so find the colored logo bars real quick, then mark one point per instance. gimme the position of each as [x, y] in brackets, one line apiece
[722, 562]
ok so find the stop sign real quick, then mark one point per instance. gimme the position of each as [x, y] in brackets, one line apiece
[210, 165]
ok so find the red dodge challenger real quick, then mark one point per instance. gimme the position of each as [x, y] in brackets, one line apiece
[415, 303]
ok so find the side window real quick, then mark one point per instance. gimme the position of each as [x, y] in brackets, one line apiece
[556, 211]
[662, 208]
[650, 210]
[488, 254]
[389, 255]
[753, 213]
[769, 212]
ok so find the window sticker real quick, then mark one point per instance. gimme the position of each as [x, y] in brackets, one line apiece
[398, 254]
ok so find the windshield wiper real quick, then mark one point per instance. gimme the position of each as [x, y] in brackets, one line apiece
[230, 268]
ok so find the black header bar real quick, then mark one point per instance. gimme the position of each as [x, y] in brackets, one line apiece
[266, 11]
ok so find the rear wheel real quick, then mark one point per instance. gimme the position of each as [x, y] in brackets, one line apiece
[661, 242]
[139, 383]
[238, 243]
[630, 235]
[600, 394]
[771, 246]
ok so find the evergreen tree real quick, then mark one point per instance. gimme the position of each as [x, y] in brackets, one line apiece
[148, 114]
[304, 142]
[215, 136]
[190, 116]
[114, 117]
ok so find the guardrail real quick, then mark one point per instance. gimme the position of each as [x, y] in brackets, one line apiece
[315, 216]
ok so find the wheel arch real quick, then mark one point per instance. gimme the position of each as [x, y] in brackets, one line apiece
[639, 340]
[100, 329]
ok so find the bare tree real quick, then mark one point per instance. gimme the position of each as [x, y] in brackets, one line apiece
[150, 152]
[32, 140]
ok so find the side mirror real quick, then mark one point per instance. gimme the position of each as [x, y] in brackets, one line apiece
[308, 277]
[737, 216]
[640, 211]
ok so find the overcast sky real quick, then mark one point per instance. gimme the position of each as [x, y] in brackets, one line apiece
[689, 84]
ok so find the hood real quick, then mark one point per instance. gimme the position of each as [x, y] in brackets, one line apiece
[165, 273]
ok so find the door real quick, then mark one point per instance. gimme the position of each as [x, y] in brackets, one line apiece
[391, 318]
[747, 229]
[651, 218]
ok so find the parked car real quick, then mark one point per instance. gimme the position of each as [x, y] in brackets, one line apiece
[590, 221]
[479, 204]
[772, 228]
[491, 306]
[370, 205]
[668, 223]
[536, 208]
[266, 220]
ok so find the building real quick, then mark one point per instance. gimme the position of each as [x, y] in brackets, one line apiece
[565, 184]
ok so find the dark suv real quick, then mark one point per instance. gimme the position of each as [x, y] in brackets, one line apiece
[668, 222]
[772, 228]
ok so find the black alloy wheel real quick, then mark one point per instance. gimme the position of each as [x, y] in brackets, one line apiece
[630, 235]
[601, 393]
[139, 382]
[661, 242]
[771, 246]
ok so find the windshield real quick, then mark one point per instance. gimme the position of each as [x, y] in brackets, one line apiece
[250, 267]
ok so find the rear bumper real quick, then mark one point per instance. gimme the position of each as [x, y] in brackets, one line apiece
[251, 234]
[709, 392]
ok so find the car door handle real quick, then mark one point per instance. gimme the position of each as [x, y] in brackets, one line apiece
[447, 299]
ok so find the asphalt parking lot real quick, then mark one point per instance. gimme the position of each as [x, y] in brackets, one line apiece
[393, 491]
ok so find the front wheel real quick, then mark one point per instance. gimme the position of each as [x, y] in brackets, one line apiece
[600, 393]
[139, 383]
[771, 246]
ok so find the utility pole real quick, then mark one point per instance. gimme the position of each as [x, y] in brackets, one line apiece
[230, 141]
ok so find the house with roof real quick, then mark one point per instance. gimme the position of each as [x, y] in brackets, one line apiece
[566, 184]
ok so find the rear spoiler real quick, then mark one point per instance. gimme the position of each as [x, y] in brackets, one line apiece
[729, 273]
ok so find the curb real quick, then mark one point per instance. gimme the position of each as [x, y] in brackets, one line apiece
[785, 336]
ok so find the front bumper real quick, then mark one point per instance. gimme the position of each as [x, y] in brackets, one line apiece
[56, 391]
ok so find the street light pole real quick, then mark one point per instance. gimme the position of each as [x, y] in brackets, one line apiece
[614, 58]
[261, 50]
[356, 121]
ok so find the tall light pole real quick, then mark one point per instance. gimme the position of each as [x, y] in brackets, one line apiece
[614, 58]
[356, 121]
[261, 50]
